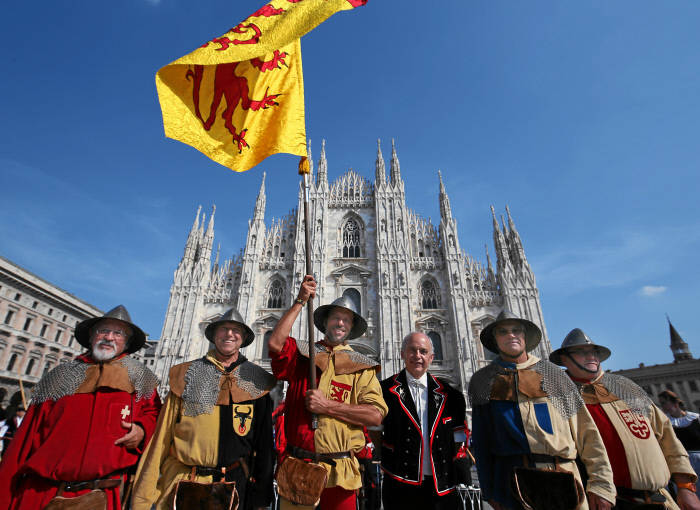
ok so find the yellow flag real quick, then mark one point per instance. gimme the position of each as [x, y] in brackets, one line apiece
[240, 97]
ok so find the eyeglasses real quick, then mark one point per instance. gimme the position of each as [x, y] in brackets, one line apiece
[116, 332]
[516, 330]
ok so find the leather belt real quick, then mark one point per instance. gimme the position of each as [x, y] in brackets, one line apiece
[327, 458]
[642, 495]
[107, 483]
[546, 459]
[220, 472]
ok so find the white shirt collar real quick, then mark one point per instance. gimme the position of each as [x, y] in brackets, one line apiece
[422, 380]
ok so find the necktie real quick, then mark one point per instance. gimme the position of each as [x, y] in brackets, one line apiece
[417, 389]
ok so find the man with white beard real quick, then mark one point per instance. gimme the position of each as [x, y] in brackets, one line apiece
[88, 422]
[348, 398]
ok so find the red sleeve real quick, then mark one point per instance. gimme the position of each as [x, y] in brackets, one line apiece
[284, 363]
[18, 451]
[147, 410]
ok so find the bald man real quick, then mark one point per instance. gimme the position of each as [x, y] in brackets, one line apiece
[423, 433]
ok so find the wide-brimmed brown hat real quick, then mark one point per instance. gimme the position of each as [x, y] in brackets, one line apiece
[231, 315]
[359, 324]
[533, 335]
[575, 338]
[119, 313]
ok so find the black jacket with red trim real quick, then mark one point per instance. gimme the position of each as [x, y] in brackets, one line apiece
[402, 443]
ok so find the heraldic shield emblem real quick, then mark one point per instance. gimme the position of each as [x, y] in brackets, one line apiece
[242, 418]
[636, 423]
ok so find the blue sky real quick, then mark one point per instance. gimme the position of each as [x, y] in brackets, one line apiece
[582, 116]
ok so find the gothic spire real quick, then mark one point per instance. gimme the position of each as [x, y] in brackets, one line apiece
[380, 172]
[310, 159]
[395, 167]
[259, 212]
[489, 267]
[499, 241]
[322, 166]
[210, 227]
[445, 208]
[193, 237]
[216, 260]
[679, 348]
[511, 223]
[195, 225]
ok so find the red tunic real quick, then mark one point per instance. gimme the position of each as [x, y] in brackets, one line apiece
[288, 365]
[72, 439]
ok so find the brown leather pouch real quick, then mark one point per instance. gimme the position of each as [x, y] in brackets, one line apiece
[93, 500]
[205, 496]
[546, 489]
[301, 482]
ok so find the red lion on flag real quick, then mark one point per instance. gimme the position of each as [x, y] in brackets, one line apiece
[234, 88]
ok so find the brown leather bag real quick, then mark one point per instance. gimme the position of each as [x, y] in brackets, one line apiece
[189, 494]
[546, 489]
[93, 500]
[301, 482]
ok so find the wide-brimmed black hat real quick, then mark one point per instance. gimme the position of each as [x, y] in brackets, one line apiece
[359, 324]
[575, 338]
[231, 315]
[533, 335]
[119, 313]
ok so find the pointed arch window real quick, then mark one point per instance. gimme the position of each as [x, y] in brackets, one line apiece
[351, 239]
[275, 294]
[437, 345]
[265, 349]
[430, 295]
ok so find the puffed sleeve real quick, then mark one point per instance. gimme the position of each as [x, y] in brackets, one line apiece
[19, 450]
[591, 450]
[283, 363]
[146, 481]
[370, 391]
[674, 452]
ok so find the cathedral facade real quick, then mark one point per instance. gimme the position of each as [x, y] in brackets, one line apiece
[402, 272]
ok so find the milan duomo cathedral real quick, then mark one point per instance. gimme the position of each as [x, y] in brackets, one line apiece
[403, 273]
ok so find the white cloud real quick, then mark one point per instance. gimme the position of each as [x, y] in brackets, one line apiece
[652, 290]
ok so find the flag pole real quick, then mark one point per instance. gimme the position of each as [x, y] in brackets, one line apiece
[21, 390]
[305, 171]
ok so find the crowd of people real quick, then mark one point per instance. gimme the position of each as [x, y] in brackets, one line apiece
[546, 434]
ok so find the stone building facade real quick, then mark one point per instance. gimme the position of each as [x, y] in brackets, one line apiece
[37, 320]
[403, 272]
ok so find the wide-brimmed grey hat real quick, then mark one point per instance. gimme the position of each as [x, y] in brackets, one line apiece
[231, 315]
[575, 338]
[119, 313]
[359, 324]
[533, 335]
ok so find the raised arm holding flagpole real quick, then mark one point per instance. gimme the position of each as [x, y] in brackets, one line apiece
[238, 99]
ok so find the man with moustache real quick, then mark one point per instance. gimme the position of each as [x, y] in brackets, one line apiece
[348, 397]
[528, 414]
[216, 424]
[88, 422]
[641, 445]
[422, 433]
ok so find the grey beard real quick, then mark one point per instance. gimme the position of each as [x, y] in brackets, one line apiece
[100, 355]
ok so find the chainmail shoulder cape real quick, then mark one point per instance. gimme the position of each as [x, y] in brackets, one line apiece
[205, 385]
[347, 361]
[561, 391]
[629, 392]
[68, 378]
